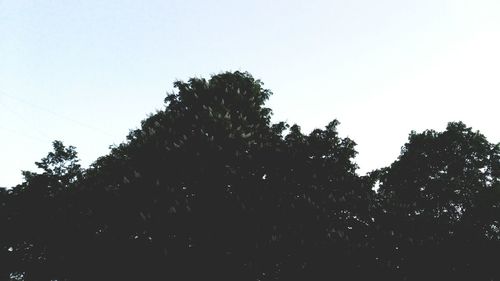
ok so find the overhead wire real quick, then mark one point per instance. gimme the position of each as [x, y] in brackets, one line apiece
[19, 133]
[59, 115]
[18, 115]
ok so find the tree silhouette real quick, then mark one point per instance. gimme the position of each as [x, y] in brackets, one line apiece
[35, 216]
[441, 205]
[210, 188]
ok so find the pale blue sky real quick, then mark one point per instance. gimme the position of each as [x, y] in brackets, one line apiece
[86, 72]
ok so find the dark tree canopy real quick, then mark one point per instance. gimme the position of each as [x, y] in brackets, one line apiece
[441, 205]
[210, 188]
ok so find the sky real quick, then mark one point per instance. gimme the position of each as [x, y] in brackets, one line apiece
[87, 72]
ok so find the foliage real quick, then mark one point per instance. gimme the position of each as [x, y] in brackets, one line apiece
[441, 205]
[210, 188]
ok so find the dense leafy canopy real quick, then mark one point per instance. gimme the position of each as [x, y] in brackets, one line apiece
[441, 202]
[209, 188]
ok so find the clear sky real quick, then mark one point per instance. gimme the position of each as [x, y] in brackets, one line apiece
[85, 72]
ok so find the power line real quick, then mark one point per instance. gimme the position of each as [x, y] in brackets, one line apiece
[31, 137]
[59, 115]
[21, 116]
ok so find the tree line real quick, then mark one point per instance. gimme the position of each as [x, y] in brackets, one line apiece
[210, 189]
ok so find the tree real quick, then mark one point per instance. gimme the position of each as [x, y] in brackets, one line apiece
[209, 187]
[35, 220]
[441, 204]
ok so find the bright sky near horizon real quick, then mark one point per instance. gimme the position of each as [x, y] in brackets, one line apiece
[85, 72]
